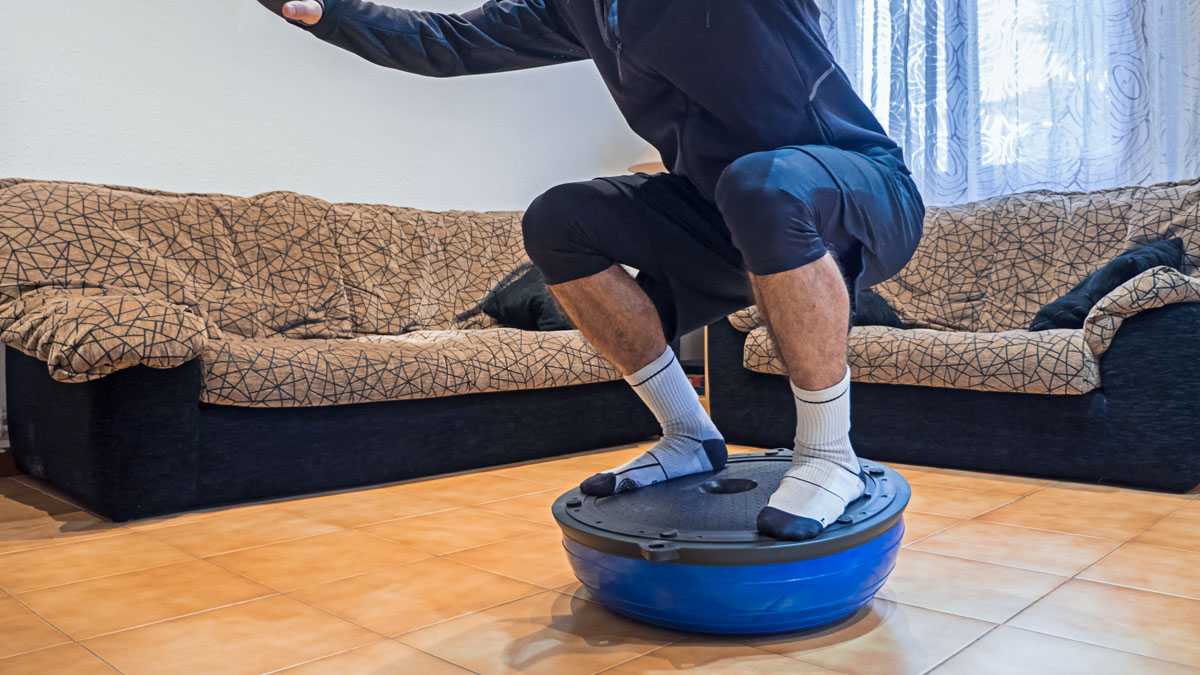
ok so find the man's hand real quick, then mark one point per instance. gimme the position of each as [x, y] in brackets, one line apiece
[307, 12]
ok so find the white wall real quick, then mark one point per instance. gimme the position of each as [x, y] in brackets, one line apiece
[220, 95]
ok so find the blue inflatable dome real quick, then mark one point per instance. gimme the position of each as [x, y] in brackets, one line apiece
[685, 554]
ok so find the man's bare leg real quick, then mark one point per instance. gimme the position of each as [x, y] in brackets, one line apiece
[615, 316]
[807, 311]
[620, 321]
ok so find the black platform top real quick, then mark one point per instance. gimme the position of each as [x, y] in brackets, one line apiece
[709, 518]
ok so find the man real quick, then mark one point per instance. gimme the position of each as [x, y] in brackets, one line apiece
[783, 188]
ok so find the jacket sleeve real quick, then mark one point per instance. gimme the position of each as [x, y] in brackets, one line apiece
[499, 36]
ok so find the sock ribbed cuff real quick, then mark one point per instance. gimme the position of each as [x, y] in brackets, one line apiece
[822, 416]
[665, 389]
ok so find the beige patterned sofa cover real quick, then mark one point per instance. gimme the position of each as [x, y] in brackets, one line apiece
[984, 269]
[288, 300]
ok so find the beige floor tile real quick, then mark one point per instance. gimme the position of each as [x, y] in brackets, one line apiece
[23, 535]
[1112, 522]
[1151, 568]
[1151, 624]
[195, 516]
[1037, 550]
[449, 531]
[90, 608]
[296, 563]
[24, 631]
[919, 525]
[470, 489]
[68, 658]
[253, 637]
[1189, 510]
[977, 590]
[1173, 532]
[562, 473]
[382, 658]
[214, 536]
[404, 598]
[25, 571]
[713, 655]
[354, 509]
[1007, 650]
[547, 633]
[618, 456]
[536, 558]
[19, 501]
[884, 637]
[1103, 496]
[909, 471]
[984, 482]
[954, 502]
[535, 507]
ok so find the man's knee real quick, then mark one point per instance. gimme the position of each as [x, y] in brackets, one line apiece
[770, 213]
[557, 232]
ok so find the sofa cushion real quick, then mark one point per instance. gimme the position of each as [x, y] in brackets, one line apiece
[1070, 310]
[281, 372]
[408, 269]
[1047, 362]
[989, 266]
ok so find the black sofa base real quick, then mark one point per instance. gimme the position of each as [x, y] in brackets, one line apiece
[138, 443]
[1141, 429]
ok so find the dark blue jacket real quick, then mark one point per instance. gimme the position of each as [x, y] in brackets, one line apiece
[704, 81]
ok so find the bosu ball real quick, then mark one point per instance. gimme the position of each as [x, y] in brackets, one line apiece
[685, 553]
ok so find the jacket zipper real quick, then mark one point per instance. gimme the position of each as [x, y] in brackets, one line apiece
[614, 32]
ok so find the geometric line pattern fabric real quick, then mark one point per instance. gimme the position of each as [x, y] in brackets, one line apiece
[989, 266]
[280, 372]
[1045, 362]
[289, 300]
[87, 333]
[1157, 287]
[983, 269]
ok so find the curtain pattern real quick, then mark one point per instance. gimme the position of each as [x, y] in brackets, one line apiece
[990, 97]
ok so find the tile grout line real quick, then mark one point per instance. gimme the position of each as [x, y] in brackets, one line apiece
[1076, 577]
[965, 647]
[639, 656]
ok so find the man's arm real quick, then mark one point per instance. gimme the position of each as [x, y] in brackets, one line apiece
[501, 35]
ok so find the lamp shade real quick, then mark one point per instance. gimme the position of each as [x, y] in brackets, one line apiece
[648, 162]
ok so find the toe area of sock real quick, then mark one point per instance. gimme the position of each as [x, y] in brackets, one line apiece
[599, 485]
[778, 524]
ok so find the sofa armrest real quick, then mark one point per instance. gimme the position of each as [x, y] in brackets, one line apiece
[84, 334]
[1154, 288]
[746, 320]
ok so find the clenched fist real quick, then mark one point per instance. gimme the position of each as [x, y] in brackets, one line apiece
[307, 12]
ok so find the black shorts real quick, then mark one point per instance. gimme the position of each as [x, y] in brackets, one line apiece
[774, 212]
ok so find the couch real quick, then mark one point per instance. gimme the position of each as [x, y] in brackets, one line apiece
[168, 351]
[965, 385]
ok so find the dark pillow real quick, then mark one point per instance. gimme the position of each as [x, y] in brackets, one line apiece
[524, 302]
[1070, 310]
[872, 310]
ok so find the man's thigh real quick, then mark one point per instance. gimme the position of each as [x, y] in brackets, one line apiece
[658, 224]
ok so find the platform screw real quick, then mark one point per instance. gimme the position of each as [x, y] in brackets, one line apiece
[875, 471]
[668, 534]
[574, 503]
[845, 520]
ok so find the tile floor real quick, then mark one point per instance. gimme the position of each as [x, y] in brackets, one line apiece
[466, 573]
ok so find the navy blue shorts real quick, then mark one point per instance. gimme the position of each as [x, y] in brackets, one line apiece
[774, 211]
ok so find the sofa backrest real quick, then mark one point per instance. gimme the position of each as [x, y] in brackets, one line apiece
[989, 266]
[278, 263]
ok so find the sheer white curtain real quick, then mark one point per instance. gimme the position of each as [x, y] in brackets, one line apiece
[996, 96]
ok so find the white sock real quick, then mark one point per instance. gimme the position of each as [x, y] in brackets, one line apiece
[690, 442]
[824, 476]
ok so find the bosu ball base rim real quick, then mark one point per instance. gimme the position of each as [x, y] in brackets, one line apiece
[685, 554]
